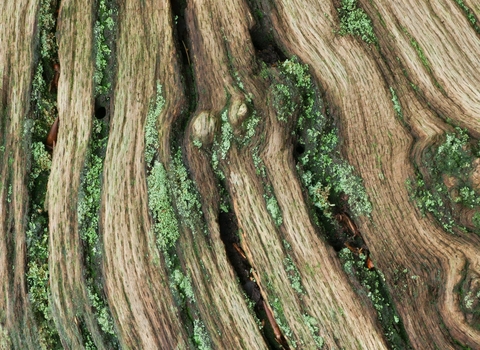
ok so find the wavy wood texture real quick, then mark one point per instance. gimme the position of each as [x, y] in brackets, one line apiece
[16, 37]
[209, 70]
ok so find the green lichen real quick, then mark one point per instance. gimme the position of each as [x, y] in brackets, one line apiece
[452, 160]
[222, 144]
[163, 186]
[472, 19]
[374, 287]
[35, 132]
[166, 224]
[293, 275]
[104, 28]
[354, 21]
[200, 336]
[151, 130]
[88, 212]
[321, 165]
[396, 104]
[312, 325]
[274, 209]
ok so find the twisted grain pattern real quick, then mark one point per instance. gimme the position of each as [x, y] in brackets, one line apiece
[398, 237]
[135, 276]
[17, 20]
[70, 304]
[261, 240]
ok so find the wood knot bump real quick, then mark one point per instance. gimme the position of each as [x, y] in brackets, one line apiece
[238, 113]
[203, 128]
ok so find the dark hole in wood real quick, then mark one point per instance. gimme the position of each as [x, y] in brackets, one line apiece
[300, 149]
[100, 112]
[265, 47]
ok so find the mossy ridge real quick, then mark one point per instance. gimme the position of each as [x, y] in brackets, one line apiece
[104, 32]
[472, 19]
[221, 146]
[469, 297]
[328, 178]
[89, 196]
[450, 163]
[374, 287]
[88, 212]
[321, 168]
[425, 62]
[354, 21]
[36, 128]
[162, 184]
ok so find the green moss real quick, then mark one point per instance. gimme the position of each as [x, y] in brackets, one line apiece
[200, 336]
[374, 286]
[184, 284]
[469, 296]
[451, 159]
[283, 102]
[187, 198]
[250, 126]
[282, 323]
[292, 270]
[104, 317]
[197, 143]
[354, 21]
[312, 325]
[162, 187]
[226, 135]
[274, 209]
[151, 131]
[104, 28]
[293, 275]
[260, 169]
[396, 105]
[321, 166]
[420, 53]
[222, 144]
[476, 219]
[47, 24]
[469, 14]
[88, 211]
[37, 241]
[166, 224]
[35, 132]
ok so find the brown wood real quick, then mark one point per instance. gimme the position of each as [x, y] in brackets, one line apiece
[52, 135]
[251, 246]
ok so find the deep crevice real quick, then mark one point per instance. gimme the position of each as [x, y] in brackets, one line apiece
[262, 37]
[265, 48]
[337, 226]
[229, 235]
[91, 182]
[38, 124]
[182, 42]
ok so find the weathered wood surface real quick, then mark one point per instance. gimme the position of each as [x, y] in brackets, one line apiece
[209, 70]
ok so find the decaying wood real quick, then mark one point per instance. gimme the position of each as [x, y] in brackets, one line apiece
[52, 134]
[209, 70]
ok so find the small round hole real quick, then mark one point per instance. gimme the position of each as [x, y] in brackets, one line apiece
[299, 148]
[100, 113]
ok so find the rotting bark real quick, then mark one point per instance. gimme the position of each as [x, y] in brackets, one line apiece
[253, 248]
